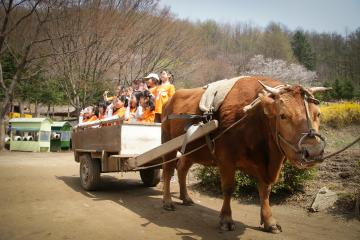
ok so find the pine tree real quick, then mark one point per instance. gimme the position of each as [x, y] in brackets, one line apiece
[303, 51]
[337, 89]
[325, 96]
[347, 89]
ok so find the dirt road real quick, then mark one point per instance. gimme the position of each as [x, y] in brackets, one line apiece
[41, 198]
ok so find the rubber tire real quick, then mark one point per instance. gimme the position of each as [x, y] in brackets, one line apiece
[92, 181]
[150, 177]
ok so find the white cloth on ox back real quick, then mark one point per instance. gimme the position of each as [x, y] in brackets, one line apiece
[215, 94]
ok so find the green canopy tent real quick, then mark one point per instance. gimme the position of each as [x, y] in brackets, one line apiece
[30, 134]
[60, 136]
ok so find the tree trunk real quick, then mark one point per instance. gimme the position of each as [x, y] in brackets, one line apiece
[53, 111]
[36, 109]
[21, 108]
[357, 205]
[77, 106]
[48, 111]
[2, 134]
[6, 107]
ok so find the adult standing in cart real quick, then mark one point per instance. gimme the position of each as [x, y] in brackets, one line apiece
[152, 81]
[163, 92]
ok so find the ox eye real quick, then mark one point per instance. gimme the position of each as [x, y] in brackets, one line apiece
[318, 115]
[282, 116]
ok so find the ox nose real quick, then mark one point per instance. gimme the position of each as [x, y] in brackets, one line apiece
[313, 151]
[306, 153]
[312, 145]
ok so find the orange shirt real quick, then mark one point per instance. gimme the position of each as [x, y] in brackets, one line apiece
[148, 116]
[91, 119]
[163, 93]
[153, 91]
[120, 112]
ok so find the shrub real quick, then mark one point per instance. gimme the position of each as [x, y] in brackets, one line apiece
[209, 177]
[291, 180]
[340, 114]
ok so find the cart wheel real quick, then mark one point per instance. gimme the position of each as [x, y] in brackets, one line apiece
[150, 177]
[89, 172]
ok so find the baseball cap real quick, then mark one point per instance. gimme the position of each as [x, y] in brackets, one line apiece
[152, 75]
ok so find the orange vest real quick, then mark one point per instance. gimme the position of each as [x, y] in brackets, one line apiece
[163, 93]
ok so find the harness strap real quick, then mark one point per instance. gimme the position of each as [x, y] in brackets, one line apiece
[205, 117]
[277, 123]
[288, 144]
[308, 119]
[210, 144]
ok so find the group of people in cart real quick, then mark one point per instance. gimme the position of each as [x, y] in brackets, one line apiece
[142, 102]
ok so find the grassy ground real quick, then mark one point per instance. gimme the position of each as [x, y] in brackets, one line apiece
[337, 138]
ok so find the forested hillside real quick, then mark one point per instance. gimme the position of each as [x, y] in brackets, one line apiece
[68, 52]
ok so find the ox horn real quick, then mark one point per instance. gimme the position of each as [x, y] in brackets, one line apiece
[319, 89]
[270, 89]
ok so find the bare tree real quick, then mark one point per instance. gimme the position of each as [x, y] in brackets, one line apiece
[22, 25]
[122, 39]
[99, 30]
[169, 44]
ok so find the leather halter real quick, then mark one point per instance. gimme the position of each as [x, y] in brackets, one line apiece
[311, 133]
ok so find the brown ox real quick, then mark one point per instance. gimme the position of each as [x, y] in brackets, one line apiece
[250, 146]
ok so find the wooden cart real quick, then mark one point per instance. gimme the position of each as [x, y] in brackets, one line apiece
[115, 146]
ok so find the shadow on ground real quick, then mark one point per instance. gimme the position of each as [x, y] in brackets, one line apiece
[248, 196]
[189, 222]
[344, 207]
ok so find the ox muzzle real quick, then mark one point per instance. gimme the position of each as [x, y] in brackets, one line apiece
[311, 146]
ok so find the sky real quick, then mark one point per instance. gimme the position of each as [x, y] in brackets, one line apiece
[339, 16]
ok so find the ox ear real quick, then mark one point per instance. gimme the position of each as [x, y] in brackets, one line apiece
[268, 104]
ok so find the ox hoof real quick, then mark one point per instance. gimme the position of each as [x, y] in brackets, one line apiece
[274, 229]
[169, 206]
[187, 201]
[227, 226]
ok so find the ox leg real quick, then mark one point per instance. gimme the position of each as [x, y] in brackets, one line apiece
[227, 186]
[270, 224]
[183, 167]
[168, 172]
